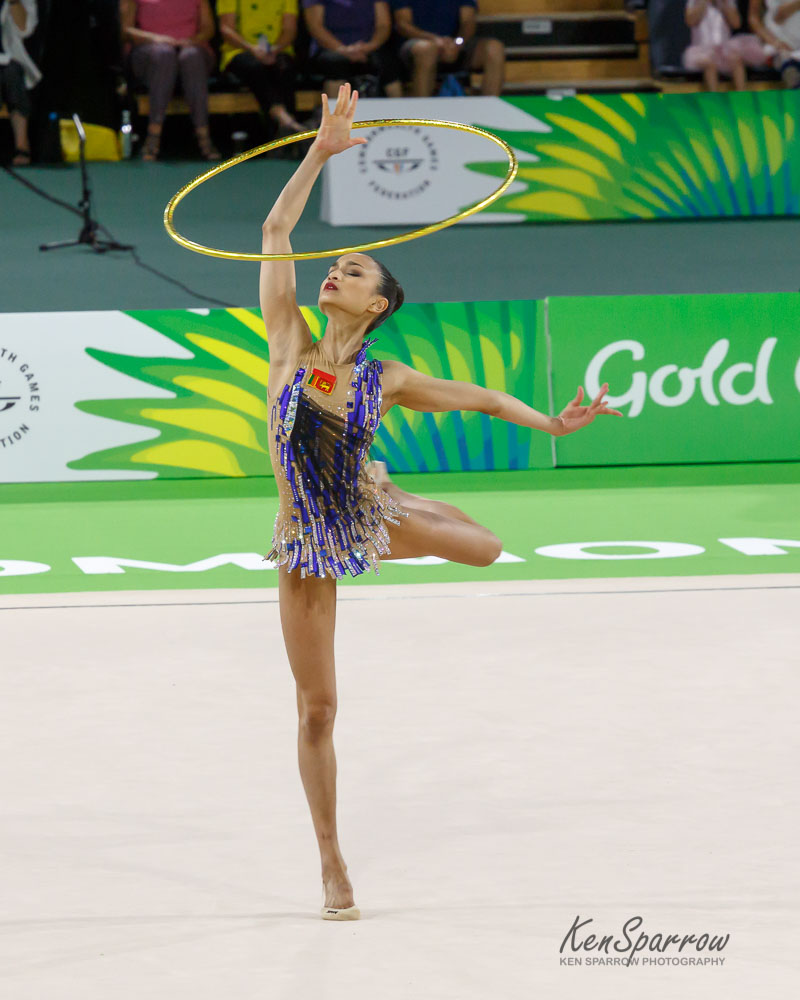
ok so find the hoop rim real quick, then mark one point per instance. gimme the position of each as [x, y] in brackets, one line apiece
[433, 227]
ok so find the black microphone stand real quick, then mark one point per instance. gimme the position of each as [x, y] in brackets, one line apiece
[88, 233]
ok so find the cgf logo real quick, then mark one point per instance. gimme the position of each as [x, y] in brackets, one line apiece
[398, 161]
[401, 169]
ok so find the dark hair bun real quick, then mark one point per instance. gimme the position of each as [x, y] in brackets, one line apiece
[392, 291]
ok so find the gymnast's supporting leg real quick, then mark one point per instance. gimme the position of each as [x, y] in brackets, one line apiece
[308, 618]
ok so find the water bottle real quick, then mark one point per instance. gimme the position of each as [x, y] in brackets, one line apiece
[126, 134]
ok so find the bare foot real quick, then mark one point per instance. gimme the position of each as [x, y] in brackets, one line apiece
[338, 890]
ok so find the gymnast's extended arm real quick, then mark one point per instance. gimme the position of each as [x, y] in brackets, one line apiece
[416, 391]
[287, 331]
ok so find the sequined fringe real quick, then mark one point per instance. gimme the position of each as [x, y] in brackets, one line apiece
[345, 551]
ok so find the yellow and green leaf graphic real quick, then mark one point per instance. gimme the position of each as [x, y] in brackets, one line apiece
[656, 156]
[213, 420]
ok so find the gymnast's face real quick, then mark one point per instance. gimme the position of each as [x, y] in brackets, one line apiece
[351, 287]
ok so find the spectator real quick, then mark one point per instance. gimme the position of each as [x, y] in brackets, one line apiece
[349, 39]
[18, 73]
[441, 33]
[779, 29]
[257, 48]
[168, 37]
[713, 49]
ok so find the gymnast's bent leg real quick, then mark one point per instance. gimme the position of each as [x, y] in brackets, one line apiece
[308, 619]
[477, 546]
[427, 531]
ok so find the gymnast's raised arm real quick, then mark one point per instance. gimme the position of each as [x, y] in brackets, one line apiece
[416, 391]
[287, 331]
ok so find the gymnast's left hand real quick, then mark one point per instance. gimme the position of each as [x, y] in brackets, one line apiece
[334, 131]
[574, 416]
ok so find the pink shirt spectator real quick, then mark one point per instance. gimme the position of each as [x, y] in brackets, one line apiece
[714, 44]
[174, 18]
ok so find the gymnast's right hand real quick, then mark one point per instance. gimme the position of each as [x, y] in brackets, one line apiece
[334, 132]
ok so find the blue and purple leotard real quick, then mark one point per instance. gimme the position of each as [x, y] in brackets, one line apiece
[322, 424]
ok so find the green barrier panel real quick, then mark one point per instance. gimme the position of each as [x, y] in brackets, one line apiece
[217, 423]
[654, 156]
[700, 378]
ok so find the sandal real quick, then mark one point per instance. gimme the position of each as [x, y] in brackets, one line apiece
[151, 147]
[207, 148]
[16, 162]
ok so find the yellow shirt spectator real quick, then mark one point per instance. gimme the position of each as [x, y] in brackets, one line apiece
[254, 18]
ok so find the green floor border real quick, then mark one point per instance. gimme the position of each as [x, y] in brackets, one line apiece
[611, 477]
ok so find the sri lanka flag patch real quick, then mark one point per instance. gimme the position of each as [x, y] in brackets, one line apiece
[322, 380]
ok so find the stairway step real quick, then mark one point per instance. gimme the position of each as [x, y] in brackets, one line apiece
[571, 51]
[521, 71]
[611, 85]
[519, 33]
[540, 8]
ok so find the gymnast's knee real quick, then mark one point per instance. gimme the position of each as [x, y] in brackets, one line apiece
[492, 550]
[317, 716]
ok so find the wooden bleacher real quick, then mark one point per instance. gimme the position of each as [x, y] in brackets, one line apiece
[579, 44]
[229, 103]
[569, 44]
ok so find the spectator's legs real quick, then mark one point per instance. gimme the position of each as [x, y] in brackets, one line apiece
[424, 56]
[711, 77]
[195, 63]
[12, 78]
[156, 65]
[738, 74]
[19, 125]
[389, 70]
[271, 85]
[730, 61]
[701, 57]
[490, 57]
[336, 70]
[749, 48]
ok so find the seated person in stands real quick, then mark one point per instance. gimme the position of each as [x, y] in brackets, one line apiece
[18, 73]
[257, 48]
[714, 49]
[166, 38]
[777, 24]
[348, 40]
[441, 34]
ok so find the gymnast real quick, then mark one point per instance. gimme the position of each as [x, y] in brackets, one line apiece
[338, 513]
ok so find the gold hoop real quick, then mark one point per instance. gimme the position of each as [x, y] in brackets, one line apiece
[299, 137]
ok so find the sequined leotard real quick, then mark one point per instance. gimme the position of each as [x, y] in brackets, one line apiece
[321, 426]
